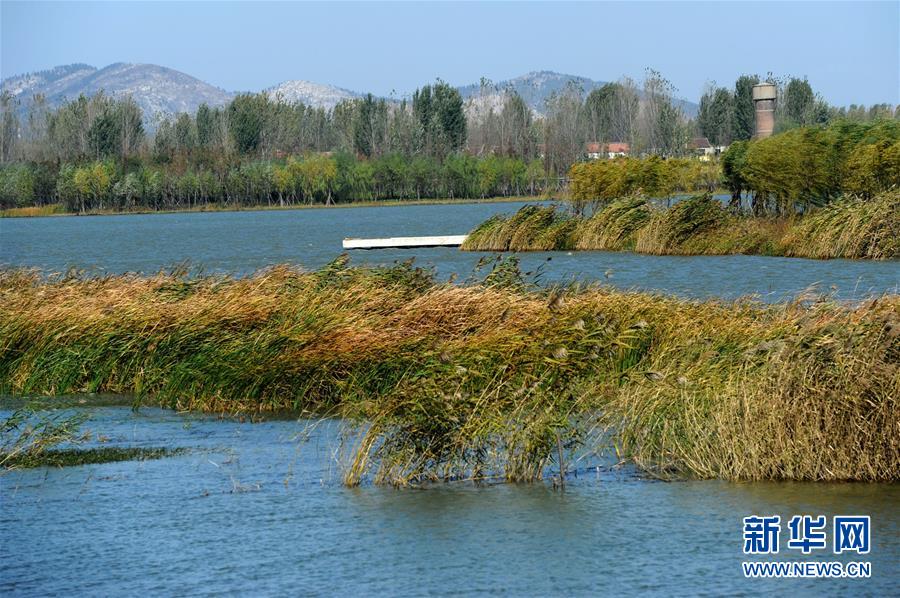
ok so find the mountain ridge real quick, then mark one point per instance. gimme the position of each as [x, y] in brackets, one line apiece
[161, 91]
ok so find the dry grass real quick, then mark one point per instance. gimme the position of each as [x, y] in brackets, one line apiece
[849, 228]
[31, 211]
[852, 228]
[481, 381]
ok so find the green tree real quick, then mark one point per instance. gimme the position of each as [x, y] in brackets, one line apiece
[743, 120]
[716, 116]
[799, 102]
[246, 118]
[9, 126]
[439, 110]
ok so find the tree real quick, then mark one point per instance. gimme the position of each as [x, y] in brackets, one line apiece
[439, 110]
[563, 130]
[370, 126]
[185, 134]
[744, 115]
[246, 117]
[9, 126]
[716, 116]
[733, 163]
[599, 108]
[799, 102]
[518, 134]
[660, 119]
[129, 119]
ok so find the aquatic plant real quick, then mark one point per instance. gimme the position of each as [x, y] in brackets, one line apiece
[847, 228]
[614, 227]
[532, 228]
[27, 436]
[485, 380]
[86, 456]
[850, 228]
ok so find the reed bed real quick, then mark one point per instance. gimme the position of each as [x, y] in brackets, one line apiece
[31, 211]
[848, 228]
[481, 381]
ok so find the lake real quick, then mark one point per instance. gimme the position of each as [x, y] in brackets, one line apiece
[259, 509]
[241, 242]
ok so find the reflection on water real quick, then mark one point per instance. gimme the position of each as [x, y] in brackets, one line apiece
[241, 242]
[259, 509]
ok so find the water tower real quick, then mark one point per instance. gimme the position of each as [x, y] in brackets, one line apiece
[764, 95]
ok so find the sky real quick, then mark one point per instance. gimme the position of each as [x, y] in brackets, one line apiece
[850, 52]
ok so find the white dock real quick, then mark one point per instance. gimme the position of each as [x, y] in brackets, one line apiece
[402, 242]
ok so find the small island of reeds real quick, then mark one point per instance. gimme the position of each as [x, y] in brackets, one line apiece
[488, 379]
[701, 225]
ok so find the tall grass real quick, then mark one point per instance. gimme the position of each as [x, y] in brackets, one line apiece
[31, 211]
[852, 228]
[615, 227]
[485, 380]
[848, 228]
[532, 228]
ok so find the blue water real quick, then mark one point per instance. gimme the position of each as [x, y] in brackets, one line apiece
[242, 242]
[258, 509]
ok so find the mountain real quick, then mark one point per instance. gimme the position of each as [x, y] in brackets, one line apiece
[161, 91]
[156, 89]
[536, 88]
[319, 95]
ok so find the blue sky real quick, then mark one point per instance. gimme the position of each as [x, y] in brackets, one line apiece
[849, 51]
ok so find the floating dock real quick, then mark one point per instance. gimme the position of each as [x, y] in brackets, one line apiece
[405, 242]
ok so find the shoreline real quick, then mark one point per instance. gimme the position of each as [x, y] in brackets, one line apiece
[216, 208]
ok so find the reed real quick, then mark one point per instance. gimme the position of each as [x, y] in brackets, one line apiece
[486, 380]
[614, 227]
[847, 228]
[851, 228]
[532, 228]
[31, 211]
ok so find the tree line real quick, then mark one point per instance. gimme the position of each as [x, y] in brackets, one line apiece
[98, 152]
[308, 179]
[728, 115]
[806, 167]
[602, 181]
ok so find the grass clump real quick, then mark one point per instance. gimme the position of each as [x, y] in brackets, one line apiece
[850, 228]
[532, 228]
[669, 230]
[77, 456]
[846, 228]
[614, 227]
[487, 380]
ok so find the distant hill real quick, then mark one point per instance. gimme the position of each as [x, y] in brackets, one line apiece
[536, 88]
[161, 91]
[156, 89]
[319, 95]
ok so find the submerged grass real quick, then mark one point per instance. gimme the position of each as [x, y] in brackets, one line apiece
[849, 228]
[486, 380]
[80, 456]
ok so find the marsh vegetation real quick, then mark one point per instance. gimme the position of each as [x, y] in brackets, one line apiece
[488, 379]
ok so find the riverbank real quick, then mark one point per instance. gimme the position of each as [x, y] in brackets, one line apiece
[59, 210]
[847, 228]
[491, 379]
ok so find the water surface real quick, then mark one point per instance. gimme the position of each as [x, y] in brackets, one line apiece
[242, 242]
[259, 509]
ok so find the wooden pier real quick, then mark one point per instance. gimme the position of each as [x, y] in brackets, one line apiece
[405, 242]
